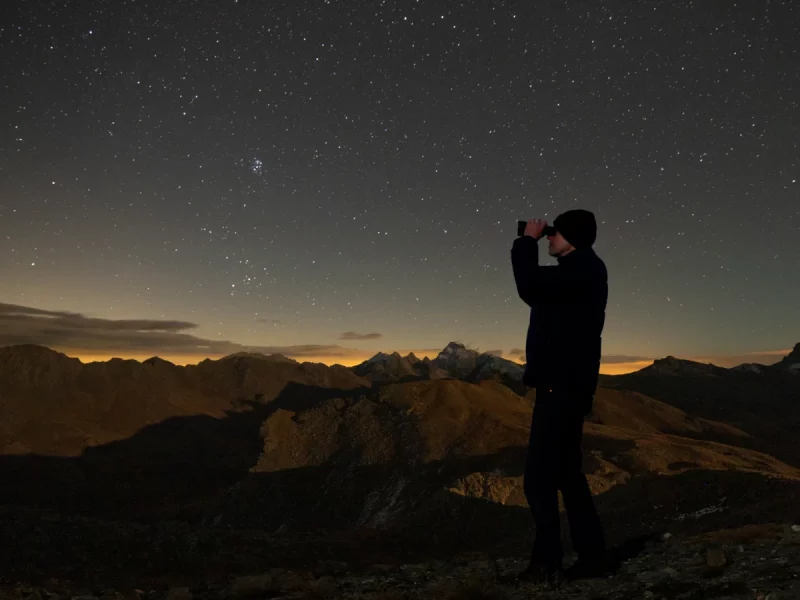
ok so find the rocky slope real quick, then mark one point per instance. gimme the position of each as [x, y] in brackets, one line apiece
[144, 440]
[55, 405]
[425, 453]
[762, 400]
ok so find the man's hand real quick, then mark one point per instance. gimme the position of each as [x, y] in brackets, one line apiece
[535, 228]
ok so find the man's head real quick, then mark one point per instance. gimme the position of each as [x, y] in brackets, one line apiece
[558, 246]
[574, 229]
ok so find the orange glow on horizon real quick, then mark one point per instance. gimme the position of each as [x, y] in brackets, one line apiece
[357, 357]
[193, 359]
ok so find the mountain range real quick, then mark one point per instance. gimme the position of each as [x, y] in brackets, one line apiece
[413, 448]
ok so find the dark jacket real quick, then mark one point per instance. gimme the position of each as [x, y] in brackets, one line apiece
[568, 310]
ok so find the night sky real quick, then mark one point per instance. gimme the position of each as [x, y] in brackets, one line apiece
[330, 179]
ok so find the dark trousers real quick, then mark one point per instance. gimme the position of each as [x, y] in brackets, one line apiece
[555, 463]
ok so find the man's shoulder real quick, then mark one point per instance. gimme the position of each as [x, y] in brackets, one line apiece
[594, 268]
[596, 261]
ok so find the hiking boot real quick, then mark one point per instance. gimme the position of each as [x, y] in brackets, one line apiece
[539, 573]
[590, 568]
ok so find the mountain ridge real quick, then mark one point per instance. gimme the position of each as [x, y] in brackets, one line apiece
[452, 353]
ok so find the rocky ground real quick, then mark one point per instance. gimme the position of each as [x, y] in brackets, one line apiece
[143, 563]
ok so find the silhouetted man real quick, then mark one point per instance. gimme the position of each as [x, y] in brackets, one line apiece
[568, 303]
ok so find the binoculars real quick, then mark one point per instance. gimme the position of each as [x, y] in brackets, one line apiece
[549, 230]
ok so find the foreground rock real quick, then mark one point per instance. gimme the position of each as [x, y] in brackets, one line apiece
[764, 562]
[761, 562]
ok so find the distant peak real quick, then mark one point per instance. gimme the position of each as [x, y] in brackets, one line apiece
[380, 356]
[672, 360]
[456, 359]
[156, 360]
[455, 345]
[791, 360]
[454, 348]
[671, 365]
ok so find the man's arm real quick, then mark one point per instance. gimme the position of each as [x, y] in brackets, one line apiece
[524, 260]
[538, 284]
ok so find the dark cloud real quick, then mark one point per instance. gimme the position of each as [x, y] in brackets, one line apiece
[14, 312]
[60, 329]
[494, 352]
[516, 352]
[352, 335]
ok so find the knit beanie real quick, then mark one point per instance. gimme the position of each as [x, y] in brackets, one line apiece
[577, 226]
